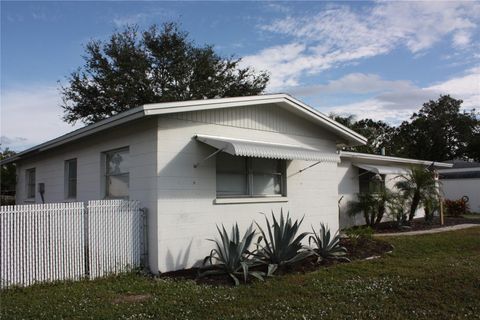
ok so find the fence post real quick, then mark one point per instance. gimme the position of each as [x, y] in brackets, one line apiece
[86, 243]
[144, 258]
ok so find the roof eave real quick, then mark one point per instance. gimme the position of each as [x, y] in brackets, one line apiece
[115, 120]
[366, 156]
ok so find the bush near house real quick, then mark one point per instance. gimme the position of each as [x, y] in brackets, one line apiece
[456, 207]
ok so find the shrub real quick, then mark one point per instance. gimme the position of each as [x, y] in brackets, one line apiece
[371, 205]
[326, 246]
[280, 246]
[231, 256]
[360, 232]
[456, 207]
[398, 209]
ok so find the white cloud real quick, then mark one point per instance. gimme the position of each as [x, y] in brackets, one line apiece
[30, 116]
[401, 98]
[144, 17]
[340, 35]
[356, 83]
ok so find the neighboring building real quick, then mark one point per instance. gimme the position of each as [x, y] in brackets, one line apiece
[198, 164]
[463, 179]
[360, 172]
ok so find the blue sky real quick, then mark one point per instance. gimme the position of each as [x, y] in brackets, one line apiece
[372, 59]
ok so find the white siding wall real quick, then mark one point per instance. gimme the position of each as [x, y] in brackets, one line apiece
[140, 136]
[454, 189]
[186, 211]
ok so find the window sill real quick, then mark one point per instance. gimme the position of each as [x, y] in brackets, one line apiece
[249, 200]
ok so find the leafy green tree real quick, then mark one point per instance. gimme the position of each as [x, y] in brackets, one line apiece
[439, 131]
[8, 176]
[378, 133]
[158, 65]
[420, 188]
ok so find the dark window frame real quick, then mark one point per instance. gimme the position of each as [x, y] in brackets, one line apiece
[30, 187]
[108, 174]
[249, 179]
[71, 180]
[369, 183]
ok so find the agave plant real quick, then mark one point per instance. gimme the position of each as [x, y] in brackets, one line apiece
[231, 256]
[325, 246]
[281, 245]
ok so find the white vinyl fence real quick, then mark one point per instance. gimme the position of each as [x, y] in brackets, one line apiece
[69, 241]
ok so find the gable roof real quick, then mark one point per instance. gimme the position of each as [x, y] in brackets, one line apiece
[348, 136]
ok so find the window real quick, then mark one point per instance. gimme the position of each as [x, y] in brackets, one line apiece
[71, 179]
[117, 164]
[370, 182]
[249, 177]
[30, 179]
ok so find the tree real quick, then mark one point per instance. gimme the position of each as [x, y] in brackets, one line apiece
[8, 175]
[378, 133]
[372, 205]
[160, 65]
[439, 131]
[420, 188]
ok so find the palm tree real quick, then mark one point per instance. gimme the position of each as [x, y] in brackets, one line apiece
[371, 205]
[419, 186]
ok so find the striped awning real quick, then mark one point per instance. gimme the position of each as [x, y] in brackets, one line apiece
[261, 149]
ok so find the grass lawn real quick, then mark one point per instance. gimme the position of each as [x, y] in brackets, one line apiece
[427, 277]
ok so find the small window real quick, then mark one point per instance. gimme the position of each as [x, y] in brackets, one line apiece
[30, 179]
[117, 173]
[249, 177]
[370, 182]
[71, 179]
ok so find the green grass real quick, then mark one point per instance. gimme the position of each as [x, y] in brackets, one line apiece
[427, 277]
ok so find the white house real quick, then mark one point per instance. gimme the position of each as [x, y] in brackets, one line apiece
[463, 179]
[196, 164]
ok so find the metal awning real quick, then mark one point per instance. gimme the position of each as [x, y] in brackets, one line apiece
[382, 169]
[261, 149]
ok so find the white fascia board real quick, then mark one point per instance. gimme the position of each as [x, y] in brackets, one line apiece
[389, 159]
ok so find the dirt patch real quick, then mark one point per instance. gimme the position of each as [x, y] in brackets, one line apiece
[131, 298]
[358, 249]
[420, 224]
[363, 247]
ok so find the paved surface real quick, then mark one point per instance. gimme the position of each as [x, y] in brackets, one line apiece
[436, 230]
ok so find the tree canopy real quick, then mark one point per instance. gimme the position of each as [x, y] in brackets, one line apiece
[159, 64]
[8, 176]
[439, 131]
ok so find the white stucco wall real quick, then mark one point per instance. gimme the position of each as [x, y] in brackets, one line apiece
[140, 136]
[187, 213]
[454, 189]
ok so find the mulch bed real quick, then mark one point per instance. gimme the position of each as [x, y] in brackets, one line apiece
[358, 249]
[420, 224]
